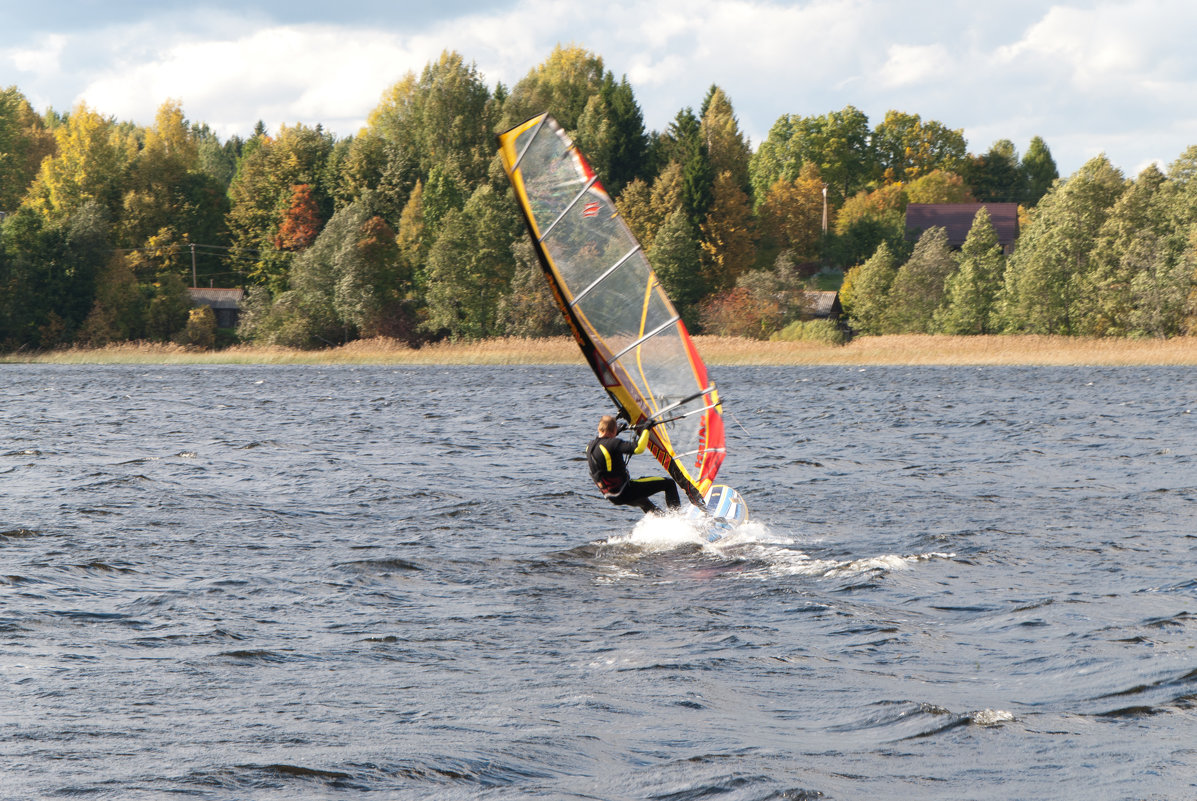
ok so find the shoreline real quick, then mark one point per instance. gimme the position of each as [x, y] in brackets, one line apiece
[904, 349]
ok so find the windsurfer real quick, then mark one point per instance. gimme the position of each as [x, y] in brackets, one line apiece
[607, 457]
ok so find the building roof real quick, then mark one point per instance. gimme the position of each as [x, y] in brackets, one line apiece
[957, 219]
[217, 298]
[822, 303]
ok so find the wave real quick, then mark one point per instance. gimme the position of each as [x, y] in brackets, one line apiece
[762, 552]
[899, 721]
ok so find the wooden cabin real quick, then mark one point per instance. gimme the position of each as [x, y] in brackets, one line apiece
[823, 305]
[225, 304]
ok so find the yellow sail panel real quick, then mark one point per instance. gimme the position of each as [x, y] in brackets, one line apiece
[623, 321]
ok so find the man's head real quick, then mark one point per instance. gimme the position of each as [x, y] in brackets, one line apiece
[606, 426]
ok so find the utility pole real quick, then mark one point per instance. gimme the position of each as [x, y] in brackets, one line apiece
[824, 213]
[194, 284]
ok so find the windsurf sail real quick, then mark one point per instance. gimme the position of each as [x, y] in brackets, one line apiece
[625, 324]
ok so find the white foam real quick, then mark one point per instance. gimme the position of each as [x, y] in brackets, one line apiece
[662, 533]
[992, 717]
[755, 542]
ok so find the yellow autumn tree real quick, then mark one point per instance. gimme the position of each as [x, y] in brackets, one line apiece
[791, 216]
[88, 165]
[727, 150]
[728, 236]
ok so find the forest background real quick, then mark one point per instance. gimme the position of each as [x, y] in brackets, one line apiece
[408, 229]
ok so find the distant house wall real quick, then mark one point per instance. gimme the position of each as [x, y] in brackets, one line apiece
[225, 304]
[957, 219]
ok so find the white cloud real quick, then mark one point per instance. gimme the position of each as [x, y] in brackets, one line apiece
[908, 65]
[1095, 75]
[282, 74]
[44, 57]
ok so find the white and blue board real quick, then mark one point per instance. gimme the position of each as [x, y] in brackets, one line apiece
[724, 510]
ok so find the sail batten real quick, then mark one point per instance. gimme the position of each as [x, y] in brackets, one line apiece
[622, 319]
[645, 338]
[566, 210]
[578, 298]
[695, 396]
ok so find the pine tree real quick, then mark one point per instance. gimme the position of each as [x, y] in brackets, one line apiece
[727, 150]
[918, 288]
[871, 283]
[677, 261]
[728, 235]
[1039, 171]
[1045, 278]
[970, 294]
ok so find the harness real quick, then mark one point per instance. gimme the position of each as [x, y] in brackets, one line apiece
[608, 471]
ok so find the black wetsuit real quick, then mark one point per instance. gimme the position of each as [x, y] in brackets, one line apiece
[607, 458]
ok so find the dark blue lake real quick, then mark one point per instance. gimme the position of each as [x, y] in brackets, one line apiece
[397, 582]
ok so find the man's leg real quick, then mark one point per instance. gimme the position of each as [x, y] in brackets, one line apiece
[638, 491]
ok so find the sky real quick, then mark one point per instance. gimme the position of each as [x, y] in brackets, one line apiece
[1116, 77]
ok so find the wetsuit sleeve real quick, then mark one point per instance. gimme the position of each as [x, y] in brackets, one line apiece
[642, 443]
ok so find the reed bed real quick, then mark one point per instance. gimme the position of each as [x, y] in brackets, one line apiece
[921, 349]
[895, 349]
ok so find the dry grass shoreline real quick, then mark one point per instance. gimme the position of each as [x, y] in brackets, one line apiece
[883, 350]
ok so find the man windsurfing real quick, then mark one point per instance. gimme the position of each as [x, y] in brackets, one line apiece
[607, 457]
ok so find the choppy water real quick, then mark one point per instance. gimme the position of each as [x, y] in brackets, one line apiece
[298, 582]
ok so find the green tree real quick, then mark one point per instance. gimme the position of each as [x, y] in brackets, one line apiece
[683, 144]
[443, 193]
[529, 310]
[217, 160]
[907, 147]
[970, 294]
[261, 195]
[564, 83]
[48, 272]
[371, 163]
[677, 260]
[470, 267]
[1039, 171]
[997, 175]
[1136, 284]
[167, 188]
[445, 117]
[350, 282]
[118, 313]
[1046, 274]
[412, 241]
[168, 309]
[837, 144]
[200, 331]
[610, 131]
[24, 144]
[667, 194]
[868, 219]
[871, 283]
[368, 293]
[918, 287]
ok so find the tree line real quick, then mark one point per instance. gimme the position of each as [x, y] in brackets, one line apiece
[407, 229]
